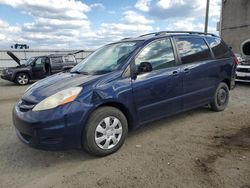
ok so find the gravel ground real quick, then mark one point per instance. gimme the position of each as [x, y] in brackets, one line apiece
[198, 148]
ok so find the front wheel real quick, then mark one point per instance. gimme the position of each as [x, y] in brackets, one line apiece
[22, 78]
[105, 131]
[221, 98]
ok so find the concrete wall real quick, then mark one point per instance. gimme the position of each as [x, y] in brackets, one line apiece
[7, 61]
[235, 23]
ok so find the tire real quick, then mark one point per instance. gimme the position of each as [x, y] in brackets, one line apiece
[22, 78]
[105, 131]
[221, 98]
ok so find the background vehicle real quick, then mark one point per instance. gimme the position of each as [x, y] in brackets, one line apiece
[122, 86]
[37, 67]
[243, 69]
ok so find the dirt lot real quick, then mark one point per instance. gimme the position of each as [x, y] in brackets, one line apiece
[199, 148]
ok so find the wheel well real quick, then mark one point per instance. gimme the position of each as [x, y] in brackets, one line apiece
[123, 109]
[228, 82]
[22, 72]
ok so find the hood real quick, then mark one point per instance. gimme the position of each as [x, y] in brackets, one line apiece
[17, 67]
[53, 84]
[15, 58]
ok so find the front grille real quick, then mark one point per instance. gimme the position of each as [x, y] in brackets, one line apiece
[243, 70]
[243, 77]
[3, 72]
[25, 105]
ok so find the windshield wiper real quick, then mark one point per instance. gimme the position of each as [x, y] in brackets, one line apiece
[75, 72]
[84, 73]
[79, 72]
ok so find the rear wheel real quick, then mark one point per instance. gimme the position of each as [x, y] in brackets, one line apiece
[105, 131]
[22, 78]
[221, 98]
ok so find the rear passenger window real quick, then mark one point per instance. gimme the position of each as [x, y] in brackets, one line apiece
[219, 48]
[56, 60]
[69, 59]
[158, 53]
[193, 50]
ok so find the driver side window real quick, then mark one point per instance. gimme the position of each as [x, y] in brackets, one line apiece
[158, 53]
[40, 62]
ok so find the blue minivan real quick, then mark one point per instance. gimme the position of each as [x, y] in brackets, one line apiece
[122, 86]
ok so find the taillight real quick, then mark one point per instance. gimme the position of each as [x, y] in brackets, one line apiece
[236, 61]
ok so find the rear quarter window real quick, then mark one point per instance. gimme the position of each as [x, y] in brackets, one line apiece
[69, 59]
[219, 48]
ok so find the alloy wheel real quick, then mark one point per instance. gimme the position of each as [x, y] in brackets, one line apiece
[23, 79]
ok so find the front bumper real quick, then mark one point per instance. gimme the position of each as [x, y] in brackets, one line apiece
[243, 73]
[54, 129]
[8, 77]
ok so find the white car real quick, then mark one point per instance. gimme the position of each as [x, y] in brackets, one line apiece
[243, 71]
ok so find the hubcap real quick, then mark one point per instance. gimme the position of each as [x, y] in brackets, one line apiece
[108, 133]
[222, 96]
[22, 79]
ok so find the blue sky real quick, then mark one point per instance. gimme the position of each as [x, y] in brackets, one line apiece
[89, 24]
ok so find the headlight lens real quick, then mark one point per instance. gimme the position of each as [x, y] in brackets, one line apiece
[7, 71]
[60, 98]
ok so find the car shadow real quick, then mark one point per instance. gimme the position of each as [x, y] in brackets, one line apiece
[18, 154]
[169, 120]
[4, 83]
[242, 84]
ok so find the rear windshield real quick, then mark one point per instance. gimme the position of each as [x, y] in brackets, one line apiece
[219, 48]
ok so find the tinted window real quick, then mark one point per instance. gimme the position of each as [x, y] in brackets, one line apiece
[40, 62]
[56, 60]
[158, 53]
[219, 48]
[193, 50]
[69, 58]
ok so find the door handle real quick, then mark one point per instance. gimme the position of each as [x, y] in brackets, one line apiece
[186, 70]
[175, 73]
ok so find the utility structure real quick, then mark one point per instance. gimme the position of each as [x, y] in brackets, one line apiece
[235, 25]
[206, 17]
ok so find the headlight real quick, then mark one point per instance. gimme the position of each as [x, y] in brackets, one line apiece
[60, 98]
[7, 71]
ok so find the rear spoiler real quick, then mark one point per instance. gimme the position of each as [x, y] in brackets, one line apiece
[15, 58]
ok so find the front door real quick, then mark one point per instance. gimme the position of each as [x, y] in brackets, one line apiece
[38, 68]
[157, 93]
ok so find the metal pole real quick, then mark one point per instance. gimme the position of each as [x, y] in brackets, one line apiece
[206, 18]
[221, 11]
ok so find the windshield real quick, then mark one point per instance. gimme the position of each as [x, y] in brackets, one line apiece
[30, 60]
[106, 59]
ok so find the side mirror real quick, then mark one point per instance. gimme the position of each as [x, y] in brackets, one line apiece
[144, 67]
[33, 63]
[67, 68]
